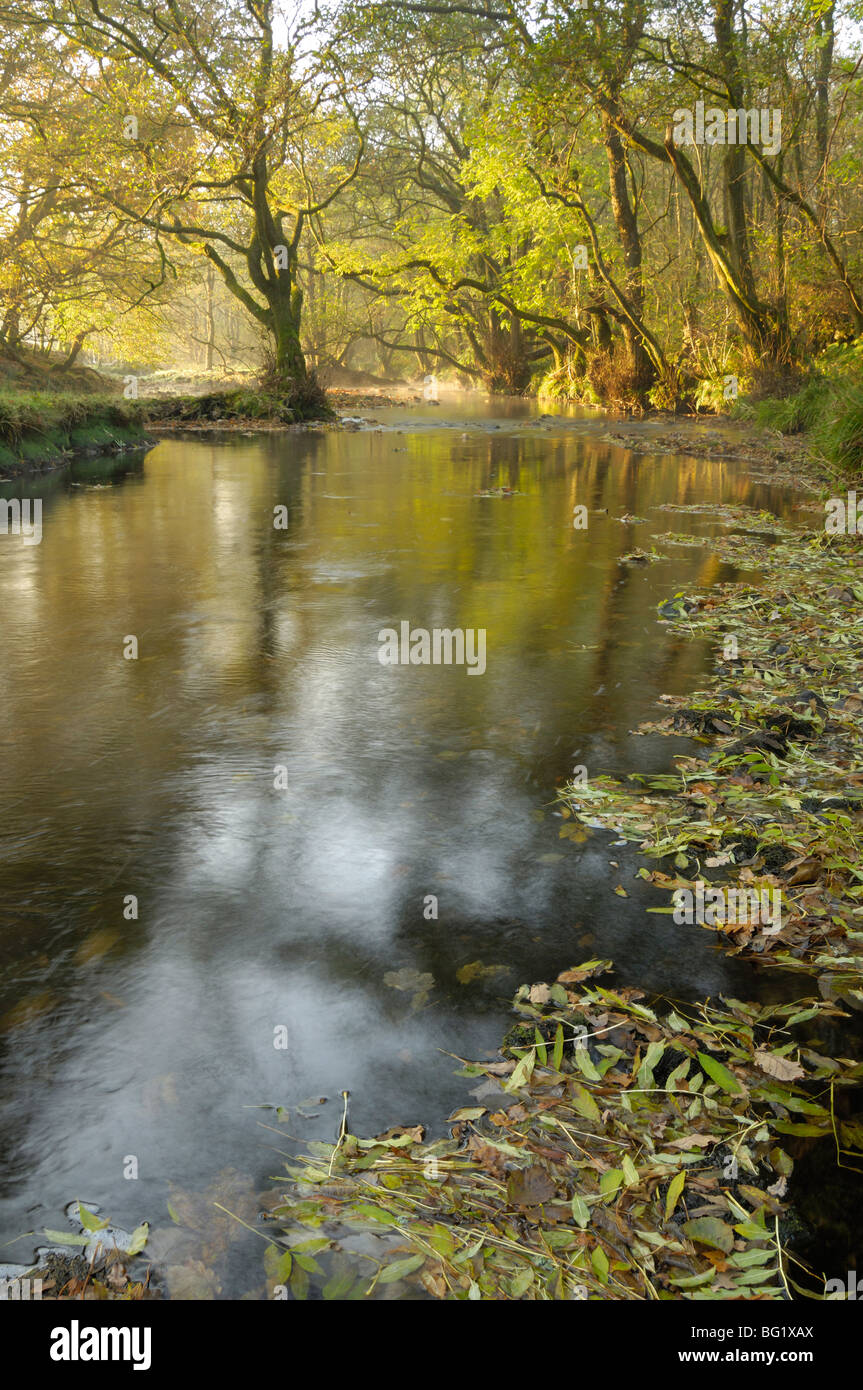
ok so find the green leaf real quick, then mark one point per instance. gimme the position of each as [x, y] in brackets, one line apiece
[66, 1238]
[520, 1283]
[139, 1239]
[610, 1182]
[580, 1212]
[584, 1104]
[709, 1230]
[442, 1241]
[557, 1054]
[523, 1072]
[720, 1074]
[745, 1258]
[675, 1187]
[400, 1268]
[693, 1281]
[469, 1252]
[785, 1127]
[375, 1214]
[585, 1064]
[752, 1230]
[89, 1221]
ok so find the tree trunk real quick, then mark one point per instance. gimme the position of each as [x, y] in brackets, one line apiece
[626, 222]
[211, 320]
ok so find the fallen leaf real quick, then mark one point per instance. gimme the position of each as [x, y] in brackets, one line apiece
[780, 1067]
[529, 1187]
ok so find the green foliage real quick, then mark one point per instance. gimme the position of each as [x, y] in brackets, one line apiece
[24, 414]
[795, 413]
[37, 428]
[829, 407]
[838, 431]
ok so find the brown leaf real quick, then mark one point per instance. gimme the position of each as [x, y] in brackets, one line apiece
[780, 1067]
[808, 872]
[529, 1187]
[435, 1284]
[499, 1068]
[693, 1141]
[489, 1158]
[415, 1133]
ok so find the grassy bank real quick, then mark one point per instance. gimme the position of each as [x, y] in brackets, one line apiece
[243, 406]
[823, 405]
[39, 430]
[826, 406]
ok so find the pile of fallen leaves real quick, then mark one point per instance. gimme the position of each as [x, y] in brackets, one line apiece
[774, 799]
[107, 1265]
[613, 1153]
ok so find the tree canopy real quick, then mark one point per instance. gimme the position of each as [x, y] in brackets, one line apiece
[625, 200]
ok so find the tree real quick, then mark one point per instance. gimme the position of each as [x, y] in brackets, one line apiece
[203, 112]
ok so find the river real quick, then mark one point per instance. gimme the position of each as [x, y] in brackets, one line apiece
[181, 939]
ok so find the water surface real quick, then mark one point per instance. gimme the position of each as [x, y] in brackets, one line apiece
[305, 909]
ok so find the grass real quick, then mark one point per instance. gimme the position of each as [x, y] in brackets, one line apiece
[828, 407]
[838, 431]
[37, 428]
[306, 401]
[797, 413]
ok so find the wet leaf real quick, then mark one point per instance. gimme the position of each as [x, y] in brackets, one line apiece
[780, 1067]
[720, 1074]
[89, 1221]
[709, 1230]
[530, 1187]
[675, 1187]
[580, 1212]
[399, 1269]
[466, 974]
[66, 1238]
[139, 1239]
[584, 1103]
[523, 1072]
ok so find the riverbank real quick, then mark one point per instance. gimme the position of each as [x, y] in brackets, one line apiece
[40, 431]
[623, 1148]
[813, 436]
